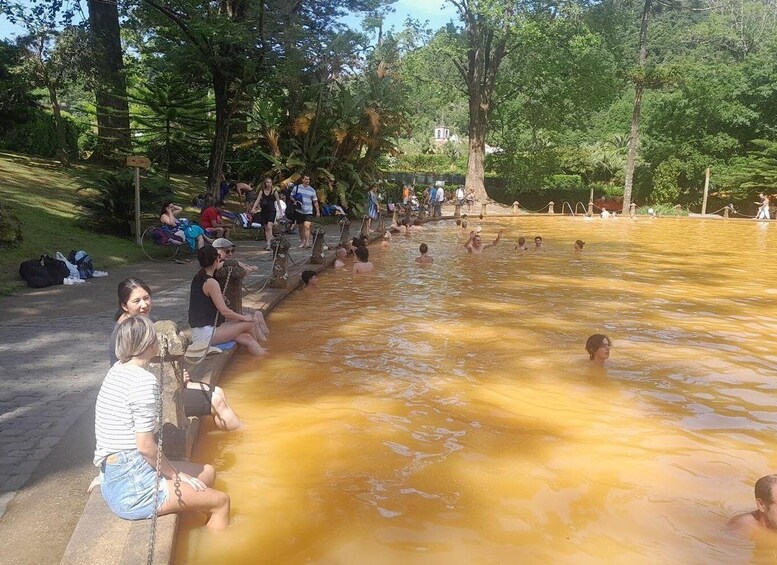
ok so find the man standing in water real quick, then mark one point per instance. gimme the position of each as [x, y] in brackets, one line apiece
[764, 518]
[475, 245]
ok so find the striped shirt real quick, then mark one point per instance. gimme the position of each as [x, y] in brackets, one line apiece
[128, 404]
[306, 195]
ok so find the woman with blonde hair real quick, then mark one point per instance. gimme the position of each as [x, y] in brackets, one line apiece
[139, 480]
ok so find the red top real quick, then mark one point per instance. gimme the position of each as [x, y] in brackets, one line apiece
[208, 217]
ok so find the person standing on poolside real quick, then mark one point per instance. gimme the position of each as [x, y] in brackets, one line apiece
[306, 194]
[763, 211]
[764, 517]
[267, 202]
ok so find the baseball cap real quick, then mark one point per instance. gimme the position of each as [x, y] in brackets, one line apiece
[223, 243]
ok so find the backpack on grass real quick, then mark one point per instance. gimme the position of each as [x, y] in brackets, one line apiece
[57, 269]
[83, 262]
[35, 274]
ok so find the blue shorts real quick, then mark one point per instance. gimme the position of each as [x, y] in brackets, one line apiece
[128, 485]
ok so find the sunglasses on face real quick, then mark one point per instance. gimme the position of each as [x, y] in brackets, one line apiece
[229, 251]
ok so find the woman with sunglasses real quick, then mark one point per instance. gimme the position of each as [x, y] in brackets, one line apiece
[206, 300]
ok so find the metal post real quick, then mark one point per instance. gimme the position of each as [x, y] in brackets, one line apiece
[279, 278]
[516, 207]
[551, 207]
[137, 206]
[345, 233]
[317, 255]
[726, 211]
[457, 210]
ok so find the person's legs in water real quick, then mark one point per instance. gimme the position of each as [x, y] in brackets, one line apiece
[182, 497]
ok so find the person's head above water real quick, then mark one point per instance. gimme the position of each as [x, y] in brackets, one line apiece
[579, 244]
[458, 222]
[598, 348]
[341, 252]
[464, 224]
[309, 278]
[134, 297]
[537, 241]
[417, 222]
[423, 248]
[521, 241]
[362, 254]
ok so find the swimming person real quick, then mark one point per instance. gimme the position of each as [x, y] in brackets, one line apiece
[764, 517]
[386, 239]
[598, 348]
[199, 399]
[424, 259]
[363, 265]
[309, 280]
[340, 253]
[538, 243]
[475, 245]
[522, 247]
[127, 418]
[579, 245]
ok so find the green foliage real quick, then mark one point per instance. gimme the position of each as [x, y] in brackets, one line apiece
[107, 203]
[665, 188]
[756, 172]
[663, 210]
[17, 102]
[38, 135]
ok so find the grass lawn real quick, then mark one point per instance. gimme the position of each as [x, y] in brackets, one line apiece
[43, 196]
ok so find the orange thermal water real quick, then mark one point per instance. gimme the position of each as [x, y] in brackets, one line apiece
[448, 414]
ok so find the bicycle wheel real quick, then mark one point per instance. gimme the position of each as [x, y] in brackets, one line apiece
[155, 252]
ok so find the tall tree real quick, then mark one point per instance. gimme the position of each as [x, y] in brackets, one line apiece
[489, 26]
[113, 127]
[639, 88]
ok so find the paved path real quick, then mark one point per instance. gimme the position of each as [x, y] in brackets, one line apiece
[53, 346]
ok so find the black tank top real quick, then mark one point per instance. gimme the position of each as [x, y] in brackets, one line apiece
[267, 202]
[202, 311]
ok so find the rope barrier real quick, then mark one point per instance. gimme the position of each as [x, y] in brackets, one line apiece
[534, 211]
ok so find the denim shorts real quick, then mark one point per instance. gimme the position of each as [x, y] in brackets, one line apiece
[128, 485]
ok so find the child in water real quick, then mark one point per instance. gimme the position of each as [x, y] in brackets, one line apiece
[363, 264]
[424, 259]
[522, 247]
[579, 246]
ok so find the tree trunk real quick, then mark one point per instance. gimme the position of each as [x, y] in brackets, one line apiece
[221, 134]
[60, 127]
[476, 163]
[639, 87]
[113, 128]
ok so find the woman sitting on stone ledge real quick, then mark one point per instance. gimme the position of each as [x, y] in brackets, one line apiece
[199, 399]
[206, 300]
[127, 417]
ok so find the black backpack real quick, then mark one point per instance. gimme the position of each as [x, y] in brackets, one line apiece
[57, 269]
[35, 273]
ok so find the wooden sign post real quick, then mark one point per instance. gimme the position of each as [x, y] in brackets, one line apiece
[138, 162]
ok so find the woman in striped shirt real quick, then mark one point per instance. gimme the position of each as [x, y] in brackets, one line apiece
[127, 416]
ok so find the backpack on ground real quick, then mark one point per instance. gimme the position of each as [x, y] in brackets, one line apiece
[35, 274]
[83, 262]
[57, 269]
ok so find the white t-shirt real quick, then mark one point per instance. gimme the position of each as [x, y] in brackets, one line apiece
[127, 404]
[440, 195]
[460, 193]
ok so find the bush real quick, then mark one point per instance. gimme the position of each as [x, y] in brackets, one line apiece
[108, 203]
[38, 135]
[663, 210]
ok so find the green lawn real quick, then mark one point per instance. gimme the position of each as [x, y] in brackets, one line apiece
[43, 195]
